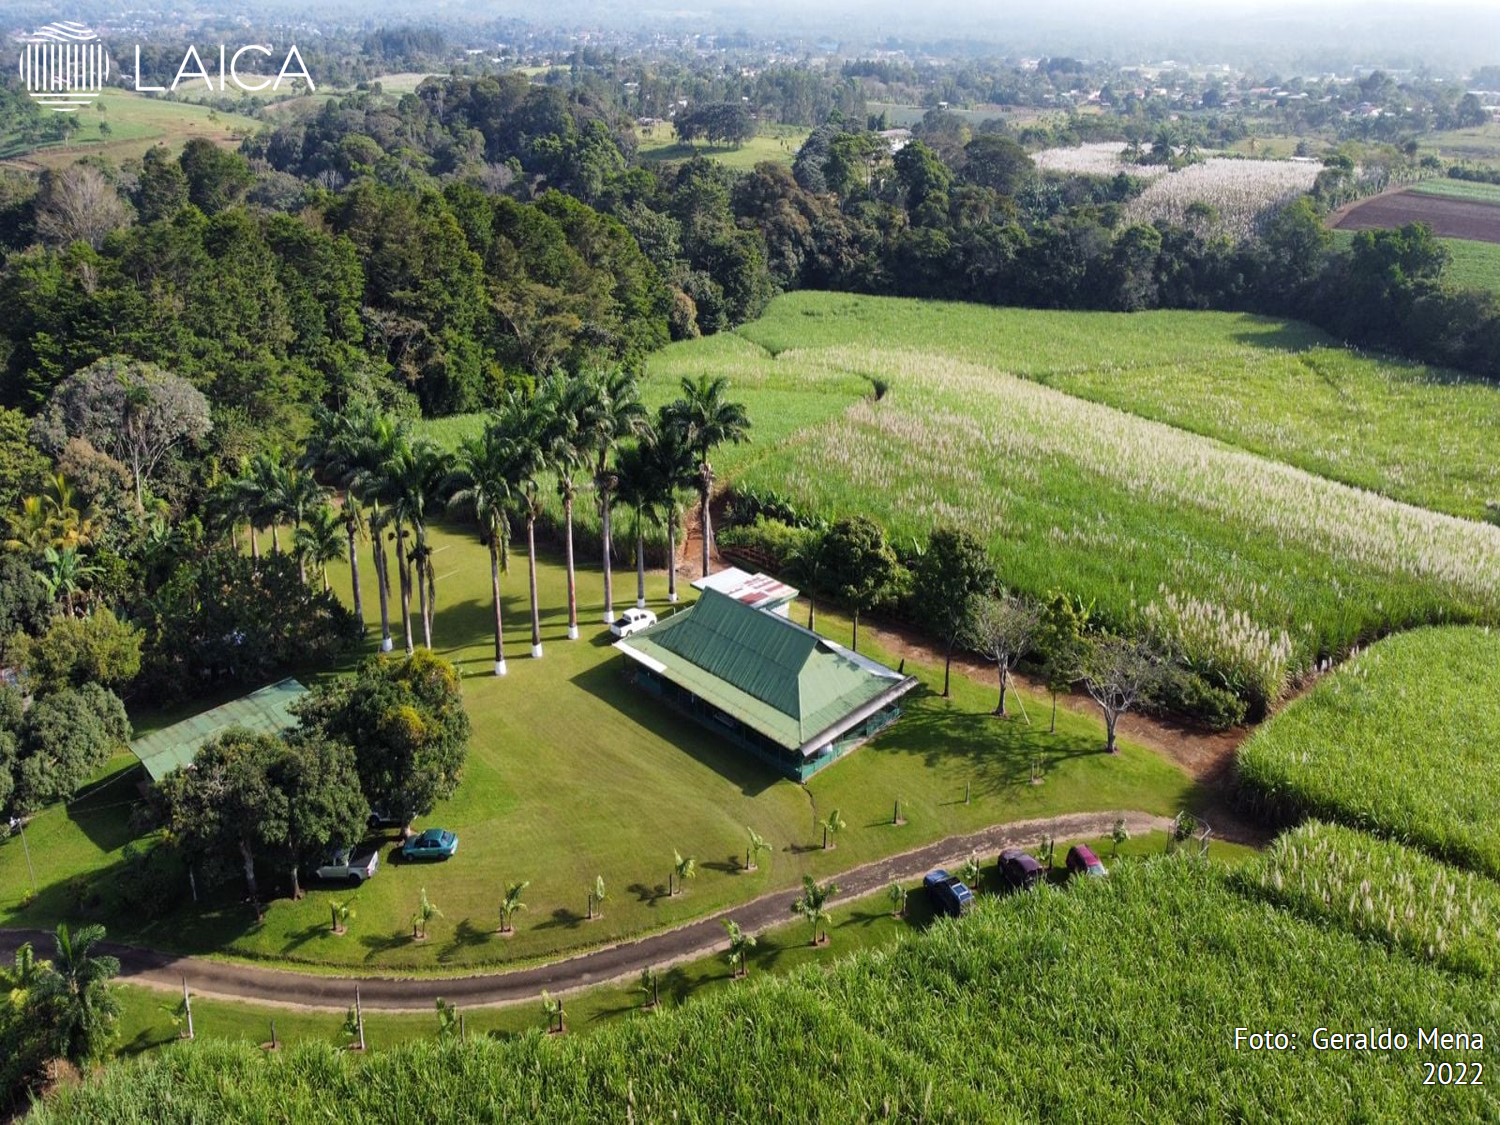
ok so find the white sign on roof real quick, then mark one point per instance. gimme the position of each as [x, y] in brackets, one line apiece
[759, 591]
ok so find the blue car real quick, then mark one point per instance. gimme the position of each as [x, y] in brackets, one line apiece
[948, 893]
[432, 843]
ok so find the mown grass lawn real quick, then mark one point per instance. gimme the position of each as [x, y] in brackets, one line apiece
[147, 1017]
[572, 773]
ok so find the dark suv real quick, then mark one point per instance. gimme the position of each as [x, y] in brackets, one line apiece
[948, 893]
[1018, 869]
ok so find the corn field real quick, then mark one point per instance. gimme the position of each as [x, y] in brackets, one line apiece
[1401, 741]
[1028, 1010]
[1102, 158]
[1385, 891]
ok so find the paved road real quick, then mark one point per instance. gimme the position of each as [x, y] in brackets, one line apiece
[237, 981]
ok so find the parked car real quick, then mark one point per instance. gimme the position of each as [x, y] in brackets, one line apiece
[380, 818]
[633, 621]
[948, 893]
[348, 865]
[432, 843]
[1018, 869]
[1081, 860]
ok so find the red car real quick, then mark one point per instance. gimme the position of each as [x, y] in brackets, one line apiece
[1081, 860]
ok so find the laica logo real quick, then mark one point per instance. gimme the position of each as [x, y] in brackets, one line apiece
[64, 66]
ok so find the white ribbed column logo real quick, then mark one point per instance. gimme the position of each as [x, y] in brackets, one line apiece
[64, 66]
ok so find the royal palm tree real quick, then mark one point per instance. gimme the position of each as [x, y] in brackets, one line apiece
[373, 440]
[482, 483]
[319, 541]
[298, 494]
[635, 491]
[76, 993]
[613, 412]
[738, 945]
[261, 488]
[521, 426]
[332, 452]
[415, 476]
[565, 404]
[512, 902]
[812, 905]
[708, 420]
[672, 470]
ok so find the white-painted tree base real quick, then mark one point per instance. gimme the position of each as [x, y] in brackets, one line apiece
[607, 617]
[386, 644]
[674, 598]
[573, 633]
[500, 668]
[641, 603]
[536, 651]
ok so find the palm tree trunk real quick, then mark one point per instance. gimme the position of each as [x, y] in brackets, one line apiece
[425, 575]
[379, 561]
[706, 530]
[572, 630]
[670, 566]
[303, 570]
[536, 650]
[855, 630]
[350, 534]
[256, 546]
[276, 546]
[293, 877]
[640, 563]
[499, 665]
[607, 615]
[324, 577]
[404, 592]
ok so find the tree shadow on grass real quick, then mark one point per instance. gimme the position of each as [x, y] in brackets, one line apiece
[467, 935]
[378, 944]
[148, 1038]
[103, 813]
[732, 865]
[647, 894]
[561, 918]
[304, 936]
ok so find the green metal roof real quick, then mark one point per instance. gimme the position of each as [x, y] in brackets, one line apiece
[786, 682]
[266, 711]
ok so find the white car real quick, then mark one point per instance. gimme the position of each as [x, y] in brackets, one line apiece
[633, 621]
[350, 865]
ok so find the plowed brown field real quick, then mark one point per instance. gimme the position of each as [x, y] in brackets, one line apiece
[1449, 218]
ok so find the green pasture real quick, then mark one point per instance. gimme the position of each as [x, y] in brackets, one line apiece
[657, 144]
[573, 773]
[136, 123]
[1403, 741]
[1459, 189]
[1471, 265]
[1481, 143]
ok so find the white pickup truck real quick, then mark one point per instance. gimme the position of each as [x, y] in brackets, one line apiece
[348, 865]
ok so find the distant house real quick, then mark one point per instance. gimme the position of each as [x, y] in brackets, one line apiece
[789, 696]
[268, 710]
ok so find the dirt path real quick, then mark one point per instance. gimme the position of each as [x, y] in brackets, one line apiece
[282, 987]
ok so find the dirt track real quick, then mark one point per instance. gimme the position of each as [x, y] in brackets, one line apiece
[281, 987]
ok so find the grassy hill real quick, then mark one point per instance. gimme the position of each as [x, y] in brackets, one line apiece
[135, 123]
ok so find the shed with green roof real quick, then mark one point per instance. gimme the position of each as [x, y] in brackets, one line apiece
[791, 696]
[265, 711]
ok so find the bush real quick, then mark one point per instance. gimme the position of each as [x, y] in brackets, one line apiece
[1181, 691]
[66, 737]
[771, 537]
[75, 651]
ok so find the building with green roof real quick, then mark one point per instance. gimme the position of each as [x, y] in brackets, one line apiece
[265, 711]
[792, 697]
